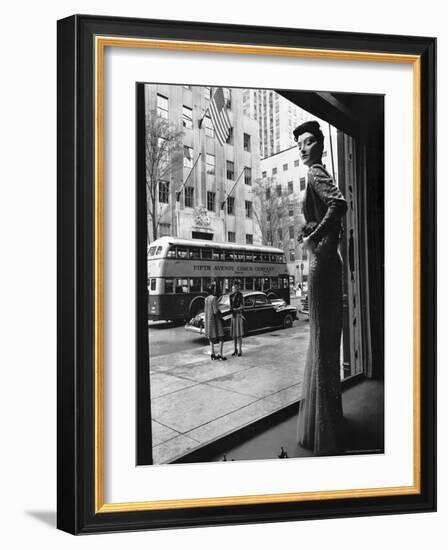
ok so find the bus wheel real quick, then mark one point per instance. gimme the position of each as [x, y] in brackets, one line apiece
[196, 307]
[287, 321]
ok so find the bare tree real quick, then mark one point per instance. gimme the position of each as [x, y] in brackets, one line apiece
[164, 155]
[272, 212]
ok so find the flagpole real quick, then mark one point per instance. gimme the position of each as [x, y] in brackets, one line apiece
[230, 192]
[187, 178]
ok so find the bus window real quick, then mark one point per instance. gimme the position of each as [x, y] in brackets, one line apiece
[249, 257]
[216, 254]
[171, 252]
[206, 283]
[239, 256]
[274, 282]
[273, 258]
[285, 281]
[206, 253]
[249, 283]
[159, 250]
[195, 284]
[225, 288]
[228, 255]
[169, 286]
[195, 253]
[283, 257]
[181, 286]
[257, 257]
[265, 257]
[182, 252]
[152, 250]
[153, 284]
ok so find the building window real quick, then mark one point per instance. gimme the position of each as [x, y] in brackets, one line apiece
[164, 191]
[211, 201]
[249, 239]
[269, 237]
[164, 229]
[188, 157]
[162, 106]
[290, 187]
[291, 232]
[231, 236]
[207, 93]
[274, 171]
[209, 130]
[229, 139]
[227, 97]
[230, 170]
[302, 184]
[291, 212]
[248, 209]
[297, 163]
[304, 254]
[264, 174]
[210, 161]
[268, 216]
[268, 194]
[285, 167]
[231, 205]
[292, 255]
[279, 190]
[247, 175]
[280, 234]
[246, 140]
[189, 193]
[187, 117]
[279, 214]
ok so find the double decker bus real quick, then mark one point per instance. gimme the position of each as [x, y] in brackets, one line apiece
[181, 270]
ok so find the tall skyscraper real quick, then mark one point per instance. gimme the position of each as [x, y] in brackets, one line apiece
[276, 116]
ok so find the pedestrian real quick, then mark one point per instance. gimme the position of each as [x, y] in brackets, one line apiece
[320, 420]
[214, 330]
[237, 321]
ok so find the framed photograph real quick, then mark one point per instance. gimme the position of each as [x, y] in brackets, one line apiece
[246, 274]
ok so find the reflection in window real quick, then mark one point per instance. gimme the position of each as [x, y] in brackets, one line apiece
[169, 286]
[181, 286]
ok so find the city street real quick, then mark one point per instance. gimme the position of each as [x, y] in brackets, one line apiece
[195, 400]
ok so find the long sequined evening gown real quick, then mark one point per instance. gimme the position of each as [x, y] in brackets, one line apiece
[320, 417]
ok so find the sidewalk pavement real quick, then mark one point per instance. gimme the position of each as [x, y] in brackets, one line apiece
[195, 400]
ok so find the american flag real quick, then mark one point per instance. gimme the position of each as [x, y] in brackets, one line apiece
[219, 116]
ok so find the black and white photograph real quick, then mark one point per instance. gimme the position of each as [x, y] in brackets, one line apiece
[264, 273]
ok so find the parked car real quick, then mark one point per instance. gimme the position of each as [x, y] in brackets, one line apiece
[258, 310]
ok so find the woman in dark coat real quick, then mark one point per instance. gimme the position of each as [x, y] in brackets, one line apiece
[214, 330]
[320, 417]
[237, 321]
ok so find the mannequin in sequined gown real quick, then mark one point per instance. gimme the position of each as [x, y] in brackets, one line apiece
[320, 419]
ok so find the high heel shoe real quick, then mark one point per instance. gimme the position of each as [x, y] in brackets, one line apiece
[240, 353]
[234, 353]
[213, 357]
[221, 358]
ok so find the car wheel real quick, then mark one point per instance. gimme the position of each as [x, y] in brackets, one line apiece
[288, 321]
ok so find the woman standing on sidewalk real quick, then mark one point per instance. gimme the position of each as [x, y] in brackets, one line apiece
[237, 322]
[214, 330]
[320, 421]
